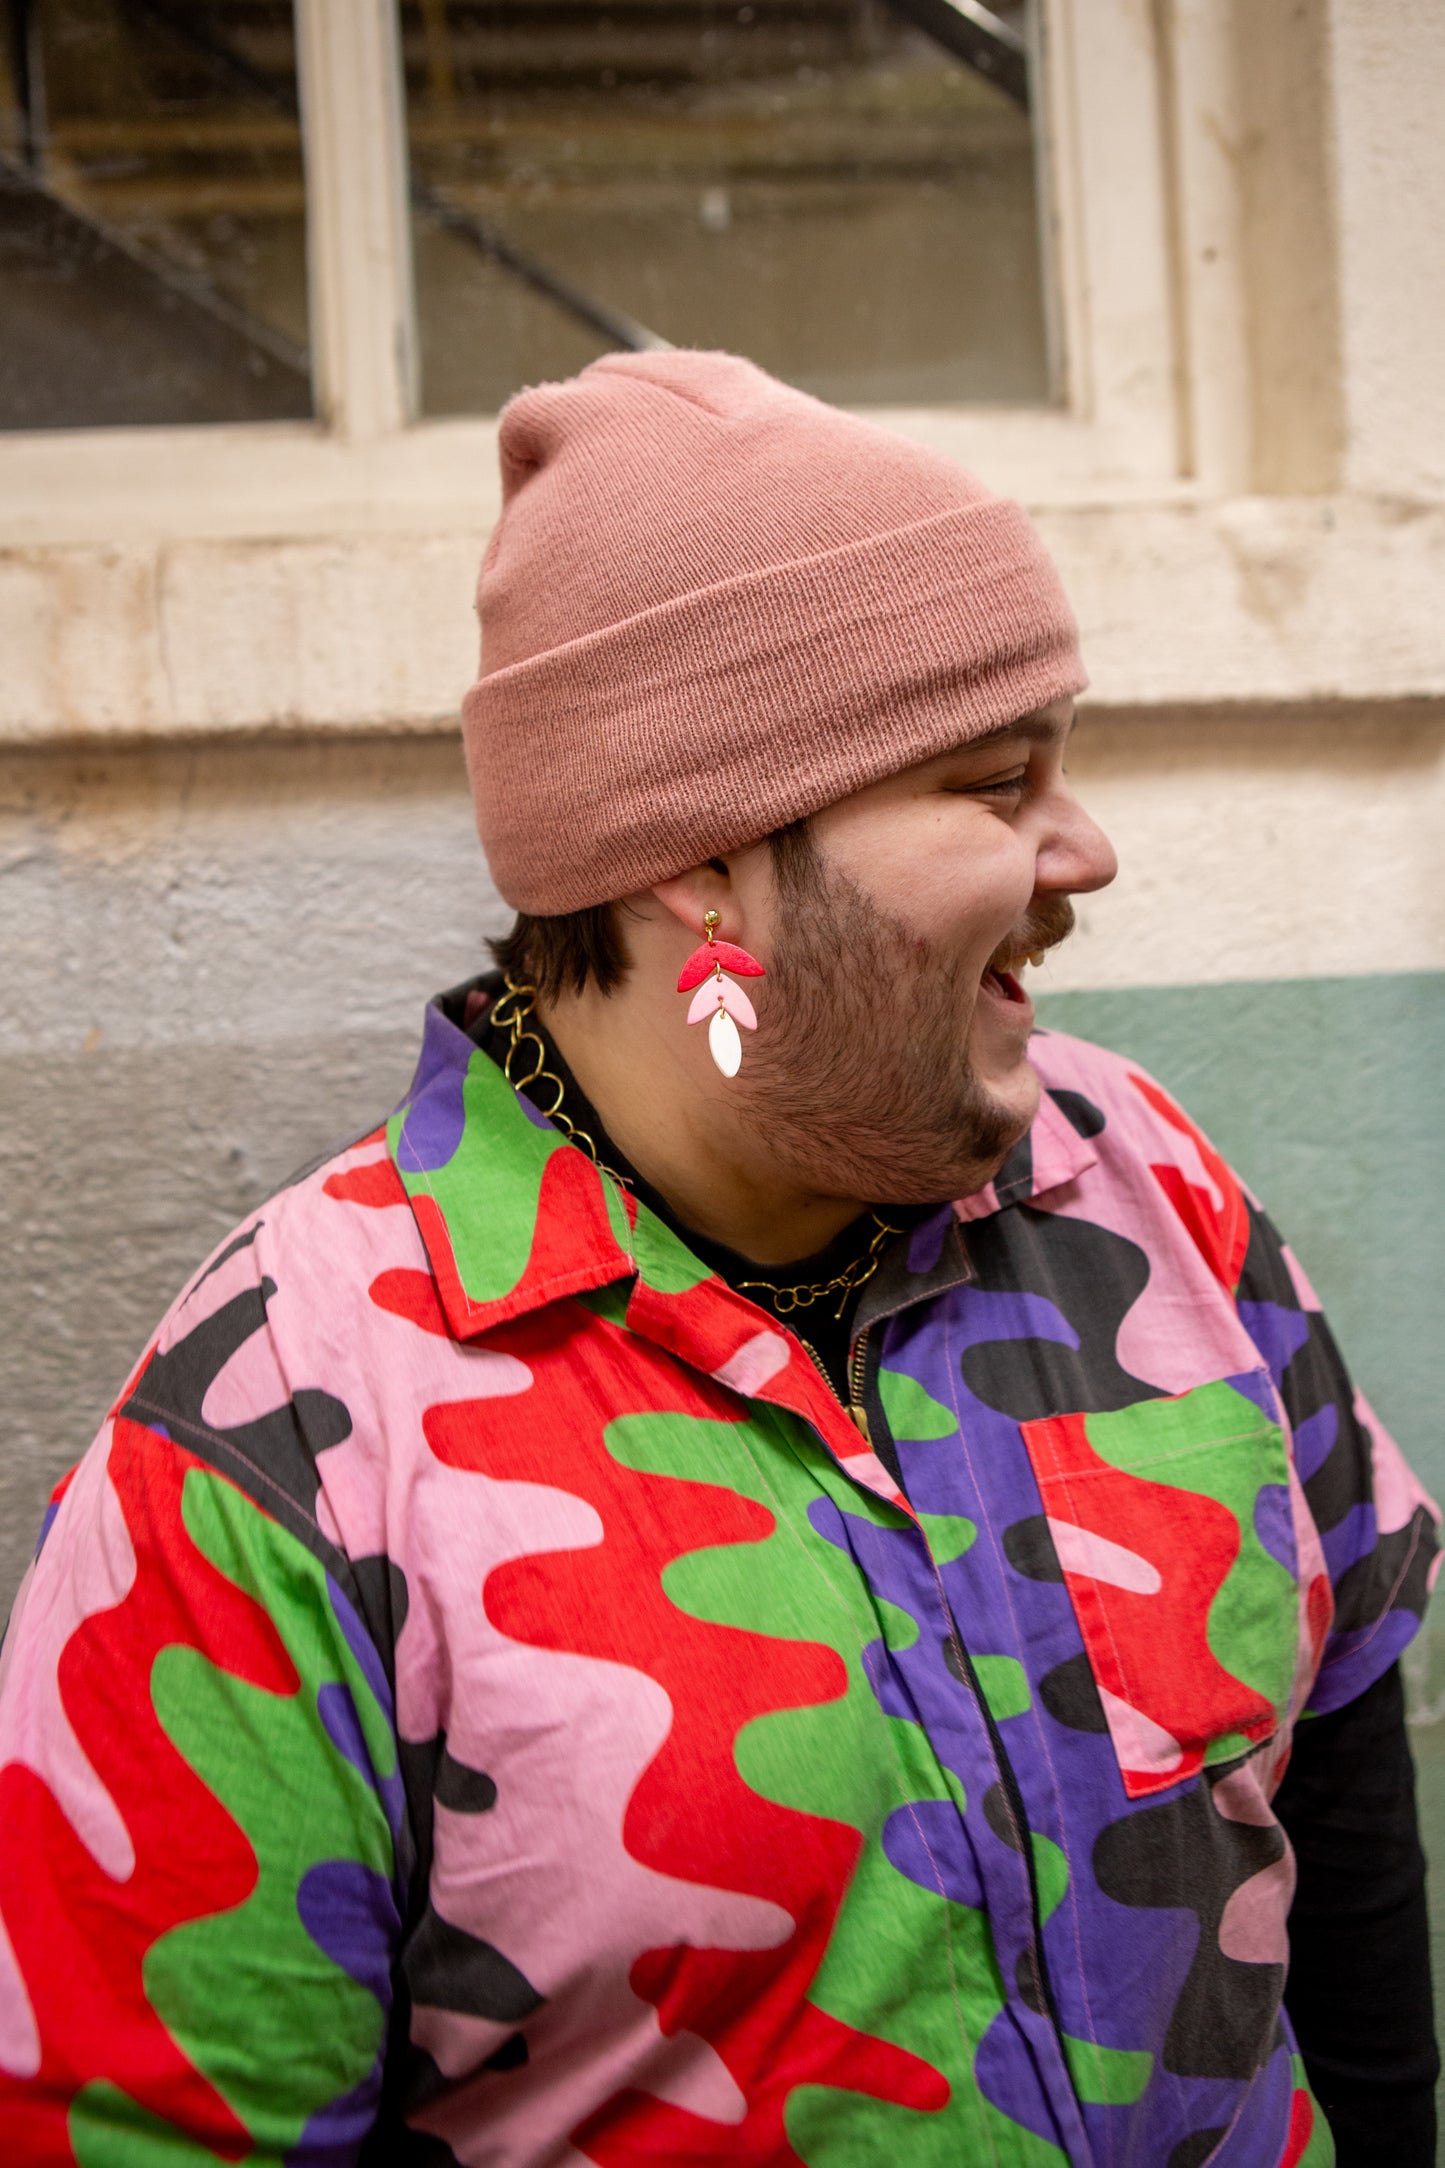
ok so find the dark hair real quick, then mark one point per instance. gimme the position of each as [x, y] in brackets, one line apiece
[559, 955]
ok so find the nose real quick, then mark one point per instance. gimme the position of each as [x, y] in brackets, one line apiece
[1077, 857]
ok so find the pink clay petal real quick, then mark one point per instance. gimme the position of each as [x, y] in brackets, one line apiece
[737, 1004]
[721, 990]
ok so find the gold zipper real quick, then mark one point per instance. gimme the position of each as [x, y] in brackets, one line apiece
[818, 1363]
[857, 1361]
[857, 1375]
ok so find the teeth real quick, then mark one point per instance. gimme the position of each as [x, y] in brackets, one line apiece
[1014, 964]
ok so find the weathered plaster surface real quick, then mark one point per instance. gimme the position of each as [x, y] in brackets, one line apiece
[1292, 845]
[215, 965]
[1389, 66]
[1324, 1094]
[1255, 599]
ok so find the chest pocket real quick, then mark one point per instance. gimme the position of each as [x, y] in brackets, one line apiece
[1172, 1523]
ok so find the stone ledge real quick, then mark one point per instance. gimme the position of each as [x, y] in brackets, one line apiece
[1264, 601]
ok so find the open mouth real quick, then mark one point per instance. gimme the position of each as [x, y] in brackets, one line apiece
[999, 978]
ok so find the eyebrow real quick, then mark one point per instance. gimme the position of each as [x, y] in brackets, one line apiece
[1033, 728]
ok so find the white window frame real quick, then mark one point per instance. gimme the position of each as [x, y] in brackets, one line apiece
[1210, 484]
[1103, 139]
[369, 459]
[303, 577]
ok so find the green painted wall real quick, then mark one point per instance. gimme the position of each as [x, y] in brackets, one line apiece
[1326, 1095]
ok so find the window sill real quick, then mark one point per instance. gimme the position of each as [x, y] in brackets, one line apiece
[190, 583]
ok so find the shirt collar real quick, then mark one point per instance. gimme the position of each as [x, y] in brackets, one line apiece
[513, 1217]
[1052, 1154]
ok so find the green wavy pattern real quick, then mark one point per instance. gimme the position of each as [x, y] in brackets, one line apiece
[850, 1762]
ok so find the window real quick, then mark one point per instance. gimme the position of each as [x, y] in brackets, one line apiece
[296, 559]
[152, 214]
[844, 190]
[969, 237]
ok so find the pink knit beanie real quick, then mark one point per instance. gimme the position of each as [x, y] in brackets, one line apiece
[713, 605]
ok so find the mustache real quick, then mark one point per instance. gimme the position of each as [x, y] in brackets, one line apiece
[1043, 926]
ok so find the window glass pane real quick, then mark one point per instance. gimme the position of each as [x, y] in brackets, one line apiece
[842, 189]
[152, 214]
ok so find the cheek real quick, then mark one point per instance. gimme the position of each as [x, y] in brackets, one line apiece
[970, 911]
[954, 875]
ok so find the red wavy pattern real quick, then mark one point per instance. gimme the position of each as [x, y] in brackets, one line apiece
[572, 1223]
[690, 1815]
[1151, 1650]
[1301, 2130]
[408, 1293]
[1220, 1232]
[707, 1324]
[85, 1985]
[375, 1183]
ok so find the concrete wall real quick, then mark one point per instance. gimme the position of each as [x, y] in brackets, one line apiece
[216, 960]
[1388, 65]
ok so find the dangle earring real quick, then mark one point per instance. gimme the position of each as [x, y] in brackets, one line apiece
[718, 997]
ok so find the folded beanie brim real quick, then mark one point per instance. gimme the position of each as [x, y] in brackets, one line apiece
[787, 688]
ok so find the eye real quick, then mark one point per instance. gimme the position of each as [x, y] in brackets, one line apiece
[993, 786]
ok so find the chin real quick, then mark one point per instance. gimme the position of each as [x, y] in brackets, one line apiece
[1014, 1095]
[933, 1171]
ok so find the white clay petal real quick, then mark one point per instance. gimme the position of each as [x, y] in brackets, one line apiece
[724, 1044]
[704, 1001]
[737, 1004]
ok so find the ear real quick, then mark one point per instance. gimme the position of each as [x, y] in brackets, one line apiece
[689, 895]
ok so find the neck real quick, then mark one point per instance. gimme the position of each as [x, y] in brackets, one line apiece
[683, 1138]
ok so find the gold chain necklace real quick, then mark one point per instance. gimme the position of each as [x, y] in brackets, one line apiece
[804, 1294]
[510, 1013]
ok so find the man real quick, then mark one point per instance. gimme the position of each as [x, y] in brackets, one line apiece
[619, 1622]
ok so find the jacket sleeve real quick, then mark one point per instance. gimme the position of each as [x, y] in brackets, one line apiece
[1358, 1990]
[1377, 1524]
[199, 1801]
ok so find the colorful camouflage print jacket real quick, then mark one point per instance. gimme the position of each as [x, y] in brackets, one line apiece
[480, 1699]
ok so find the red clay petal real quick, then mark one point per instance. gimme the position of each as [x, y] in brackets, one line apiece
[702, 960]
[696, 969]
[737, 959]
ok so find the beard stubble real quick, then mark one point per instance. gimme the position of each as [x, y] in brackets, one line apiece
[860, 1078]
